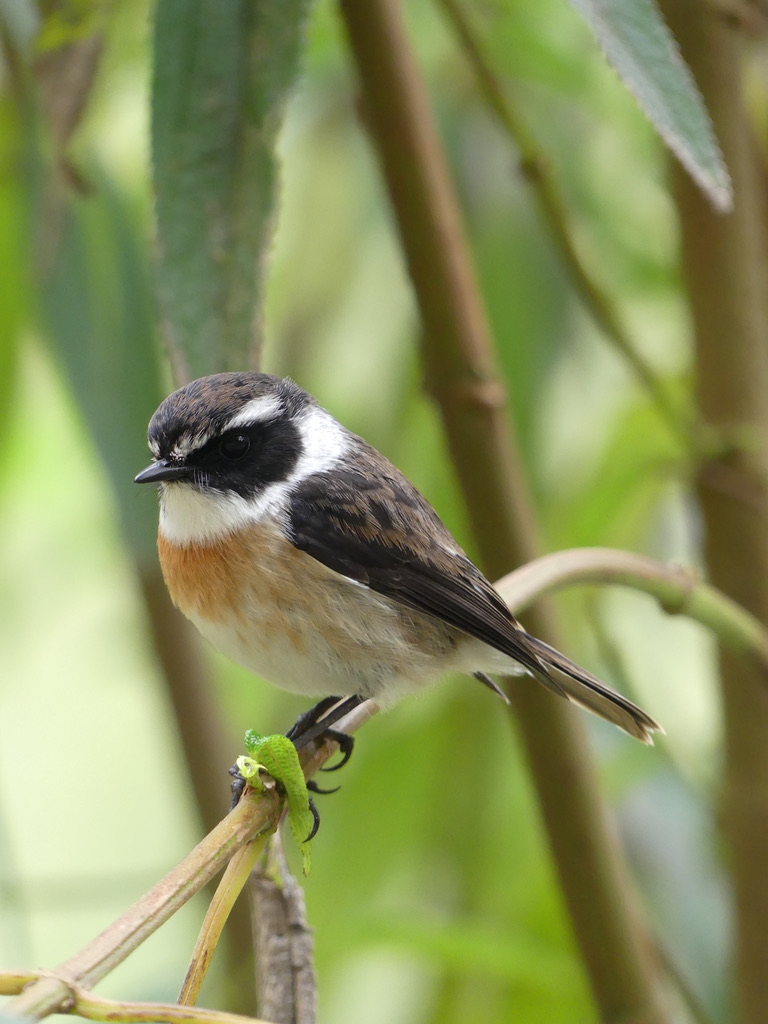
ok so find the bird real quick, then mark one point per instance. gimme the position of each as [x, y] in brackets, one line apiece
[303, 554]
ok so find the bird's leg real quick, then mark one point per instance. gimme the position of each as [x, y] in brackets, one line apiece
[309, 718]
[312, 724]
[317, 722]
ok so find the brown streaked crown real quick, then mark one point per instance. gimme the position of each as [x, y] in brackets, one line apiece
[202, 408]
[194, 441]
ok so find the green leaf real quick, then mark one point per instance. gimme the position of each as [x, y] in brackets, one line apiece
[277, 755]
[639, 46]
[14, 257]
[21, 22]
[65, 23]
[96, 302]
[222, 74]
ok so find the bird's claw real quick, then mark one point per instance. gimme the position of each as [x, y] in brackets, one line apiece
[313, 787]
[237, 787]
[315, 817]
[346, 746]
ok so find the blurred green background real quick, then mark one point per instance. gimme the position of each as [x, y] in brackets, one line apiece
[427, 905]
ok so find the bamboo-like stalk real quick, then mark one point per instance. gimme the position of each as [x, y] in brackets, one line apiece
[461, 374]
[595, 299]
[725, 261]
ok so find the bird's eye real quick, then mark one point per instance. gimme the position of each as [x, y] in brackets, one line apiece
[234, 446]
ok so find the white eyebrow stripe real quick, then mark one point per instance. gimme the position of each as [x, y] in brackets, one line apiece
[189, 443]
[258, 409]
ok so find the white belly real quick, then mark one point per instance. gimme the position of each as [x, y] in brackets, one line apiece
[291, 620]
[352, 645]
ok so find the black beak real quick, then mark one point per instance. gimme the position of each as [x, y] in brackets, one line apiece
[163, 470]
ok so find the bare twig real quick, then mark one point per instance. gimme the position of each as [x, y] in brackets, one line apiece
[678, 590]
[229, 888]
[118, 940]
[86, 1004]
[287, 990]
[254, 814]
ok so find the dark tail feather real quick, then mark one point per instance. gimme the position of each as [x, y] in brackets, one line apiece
[586, 690]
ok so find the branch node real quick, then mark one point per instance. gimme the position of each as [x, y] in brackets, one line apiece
[534, 168]
[482, 392]
[688, 579]
[65, 1005]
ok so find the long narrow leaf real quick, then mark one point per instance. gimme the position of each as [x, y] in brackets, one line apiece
[96, 300]
[640, 47]
[222, 73]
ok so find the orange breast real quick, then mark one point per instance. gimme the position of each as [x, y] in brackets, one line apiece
[212, 580]
[290, 619]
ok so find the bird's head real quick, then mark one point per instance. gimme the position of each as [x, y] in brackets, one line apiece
[226, 448]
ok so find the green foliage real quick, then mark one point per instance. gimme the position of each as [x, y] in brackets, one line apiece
[428, 903]
[221, 77]
[97, 308]
[277, 756]
[68, 21]
[638, 44]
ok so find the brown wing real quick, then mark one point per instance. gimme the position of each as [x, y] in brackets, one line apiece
[377, 530]
[371, 525]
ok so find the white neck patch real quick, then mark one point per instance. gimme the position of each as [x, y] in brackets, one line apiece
[189, 515]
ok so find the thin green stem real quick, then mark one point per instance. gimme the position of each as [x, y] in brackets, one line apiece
[229, 888]
[86, 1004]
[678, 590]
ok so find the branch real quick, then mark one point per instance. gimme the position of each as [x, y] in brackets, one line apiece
[252, 815]
[460, 369]
[725, 266]
[677, 589]
[255, 813]
[285, 974]
[229, 888]
[86, 1004]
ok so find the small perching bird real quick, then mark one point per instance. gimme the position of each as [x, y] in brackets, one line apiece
[304, 555]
